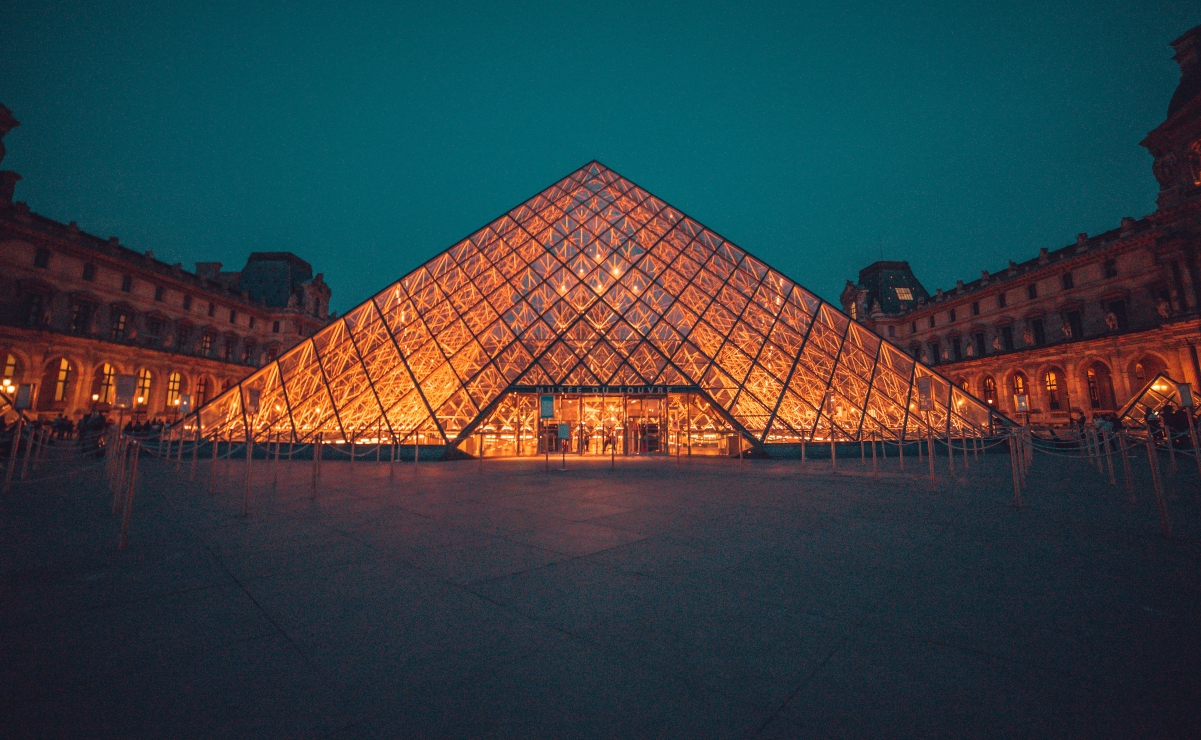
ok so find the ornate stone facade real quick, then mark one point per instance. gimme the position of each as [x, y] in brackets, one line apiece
[77, 310]
[1082, 328]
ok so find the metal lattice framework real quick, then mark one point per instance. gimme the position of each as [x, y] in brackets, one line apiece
[592, 282]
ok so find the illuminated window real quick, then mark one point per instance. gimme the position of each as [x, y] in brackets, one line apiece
[143, 389]
[120, 323]
[904, 294]
[62, 383]
[10, 373]
[1094, 392]
[206, 343]
[1052, 381]
[990, 390]
[1019, 384]
[106, 384]
[202, 392]
[174, 389]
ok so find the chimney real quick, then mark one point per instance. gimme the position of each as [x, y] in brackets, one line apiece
[1043, 256]
[1127, 225]
[1081, 239]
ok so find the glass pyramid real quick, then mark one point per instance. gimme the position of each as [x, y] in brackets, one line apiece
[594, 283]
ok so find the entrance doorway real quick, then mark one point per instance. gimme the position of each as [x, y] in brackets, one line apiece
[592, 424]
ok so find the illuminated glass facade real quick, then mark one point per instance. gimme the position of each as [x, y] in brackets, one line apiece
[633, 315]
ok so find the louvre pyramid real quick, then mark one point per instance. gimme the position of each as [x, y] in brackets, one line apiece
[592, 282]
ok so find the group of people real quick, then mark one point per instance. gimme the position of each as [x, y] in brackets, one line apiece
[1171, 419]
[87, 429]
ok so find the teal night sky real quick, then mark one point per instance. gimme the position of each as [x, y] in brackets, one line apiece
[368, 138]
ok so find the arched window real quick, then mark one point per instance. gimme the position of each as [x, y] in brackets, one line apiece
[104, 384]
[62, 382]
[202, 393]
[142, 396]
[9, 381]
[1147, 368]
[1019, 384]
[174, 389]
[990, 390]
[56, 384]
[1100, 386]
[1052, 383]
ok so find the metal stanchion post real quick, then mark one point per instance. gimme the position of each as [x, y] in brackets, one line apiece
[930, 452]
[833, 454]
[392, 459]
[901, 450]
[1192, 437]
[1013, 468]
[963, 443]
[120, 449]
[802, 453]
[128, 509]
[249, 459]
[12, 453]
[1171, 449]
[1153, 458]
[275, 465]
[28, 451]
[195, 452]
[875, 469]
[1108, 457]
[1122, 446]
[379, 440]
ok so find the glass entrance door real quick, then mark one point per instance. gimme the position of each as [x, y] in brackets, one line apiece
[610, 424]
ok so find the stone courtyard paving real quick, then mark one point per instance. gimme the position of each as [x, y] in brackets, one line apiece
[705, 599]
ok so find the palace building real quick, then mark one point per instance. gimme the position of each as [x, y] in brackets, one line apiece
[597, 319]
[77, 311]
[1080, 329]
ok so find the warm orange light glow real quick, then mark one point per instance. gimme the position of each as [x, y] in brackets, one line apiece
[527, 301]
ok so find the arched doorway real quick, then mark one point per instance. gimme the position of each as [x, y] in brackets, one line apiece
[1100, 387]
[142, 394]
[57, 380]
[13, 372]
[988, 390]
[1020, 388]
[1053, 382]
[104, 385]
[1145, 368]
